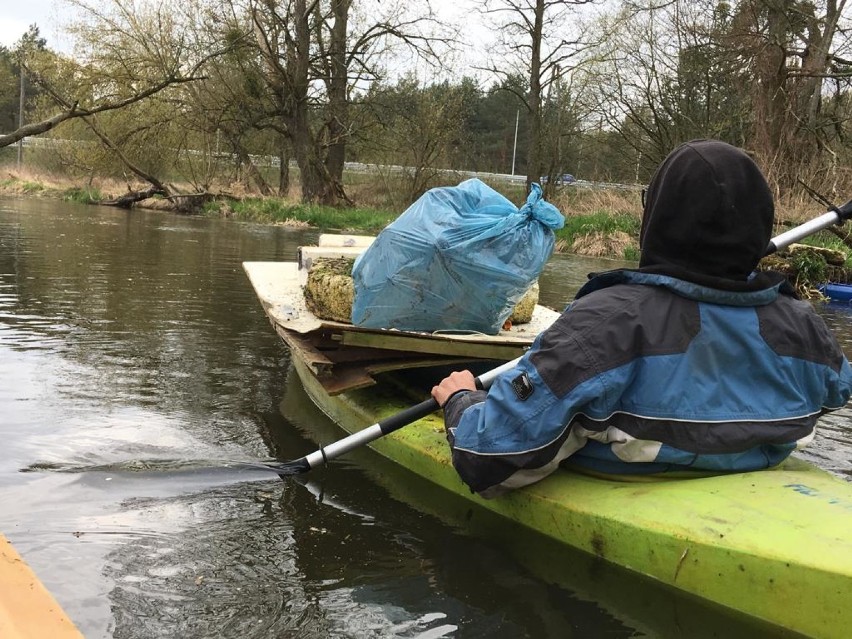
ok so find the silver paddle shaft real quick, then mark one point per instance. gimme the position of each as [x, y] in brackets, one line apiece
[381, 428]
[785, 239]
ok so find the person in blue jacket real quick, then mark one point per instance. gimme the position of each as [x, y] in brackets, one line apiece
[693, 361]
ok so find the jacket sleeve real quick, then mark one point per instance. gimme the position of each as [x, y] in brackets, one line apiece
[838, 385]
[519, 431]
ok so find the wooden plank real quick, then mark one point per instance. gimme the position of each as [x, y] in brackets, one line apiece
[354, 375]
[346, 378]
[340, 368]
[336, 239]
[306, 351]
[434, 345]
[349, 377]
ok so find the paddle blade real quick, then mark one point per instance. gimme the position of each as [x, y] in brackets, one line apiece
[287, 469]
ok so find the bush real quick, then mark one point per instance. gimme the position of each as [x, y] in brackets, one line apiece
[83, 195]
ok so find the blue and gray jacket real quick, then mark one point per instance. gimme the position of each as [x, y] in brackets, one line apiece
[648, 373]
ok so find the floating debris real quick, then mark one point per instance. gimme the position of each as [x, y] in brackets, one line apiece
[330, 291]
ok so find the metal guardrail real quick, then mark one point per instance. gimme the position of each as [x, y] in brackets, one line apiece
[272, 161]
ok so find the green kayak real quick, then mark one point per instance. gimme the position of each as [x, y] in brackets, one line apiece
[775, 545]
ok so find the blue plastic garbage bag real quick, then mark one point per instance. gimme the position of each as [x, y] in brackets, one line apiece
[457, 259]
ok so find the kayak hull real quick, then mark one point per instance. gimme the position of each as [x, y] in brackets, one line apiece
[774, 545]
[837, 292]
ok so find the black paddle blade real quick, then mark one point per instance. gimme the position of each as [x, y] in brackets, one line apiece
[283, 469]
[287, 469]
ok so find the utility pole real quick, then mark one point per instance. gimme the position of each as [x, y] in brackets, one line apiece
[21, 117]
[515, 149]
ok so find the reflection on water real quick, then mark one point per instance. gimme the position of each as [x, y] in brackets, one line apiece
[139, 373]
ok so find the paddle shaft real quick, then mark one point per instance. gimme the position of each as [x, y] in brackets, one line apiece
[836, 215]
[394, 422]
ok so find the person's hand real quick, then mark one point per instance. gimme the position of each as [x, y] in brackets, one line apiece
[456, 381]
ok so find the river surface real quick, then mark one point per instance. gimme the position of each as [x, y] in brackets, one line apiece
[137, 370]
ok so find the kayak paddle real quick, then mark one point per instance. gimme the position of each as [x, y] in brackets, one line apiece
[835, 215]
[379, 429]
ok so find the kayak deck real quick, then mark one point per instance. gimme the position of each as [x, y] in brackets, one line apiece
[27, 609]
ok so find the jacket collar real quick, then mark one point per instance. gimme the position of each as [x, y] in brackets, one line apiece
[762, 288]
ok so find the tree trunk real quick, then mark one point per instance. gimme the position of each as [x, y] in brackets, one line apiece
[251, 170]
[815, 61]
[314, 175]
[131, 197]
[534, 162]
[338, 105]
[153, 180]
[283, 168]
[771, 101]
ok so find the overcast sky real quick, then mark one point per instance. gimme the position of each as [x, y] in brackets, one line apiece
[51, 16]
[17, 15]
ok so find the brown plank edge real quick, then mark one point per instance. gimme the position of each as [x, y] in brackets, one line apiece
[340, 368]
[434, 345]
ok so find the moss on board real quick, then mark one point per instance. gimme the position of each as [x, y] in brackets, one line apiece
[522, 313]
[806, 267]
[330, 291]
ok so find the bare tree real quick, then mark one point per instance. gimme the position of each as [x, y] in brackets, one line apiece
[541, 42]
[799, 52]
[315, 56]
[769, 75]
[75, 108]
[668, 74]
[121, 60]
[127, 55]
[417, 130]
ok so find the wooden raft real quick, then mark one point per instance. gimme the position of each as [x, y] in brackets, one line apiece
[344, 357]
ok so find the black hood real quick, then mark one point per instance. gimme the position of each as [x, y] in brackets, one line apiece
[708, 216]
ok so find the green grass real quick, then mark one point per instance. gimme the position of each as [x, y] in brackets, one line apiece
[31, 187]
[632, 254]
[271, 210]
[809, 266]
[831, 241]
[602, 221]
[82, 195]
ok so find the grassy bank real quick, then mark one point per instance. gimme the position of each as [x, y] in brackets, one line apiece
[597, 223]
[279, 211]
[25, 182]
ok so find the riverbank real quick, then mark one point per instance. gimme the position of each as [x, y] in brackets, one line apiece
[598, 223]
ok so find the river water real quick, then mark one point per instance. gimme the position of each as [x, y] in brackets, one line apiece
[138, 370]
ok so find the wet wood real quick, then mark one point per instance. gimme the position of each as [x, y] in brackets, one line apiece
[454, 348]
[344, 357]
